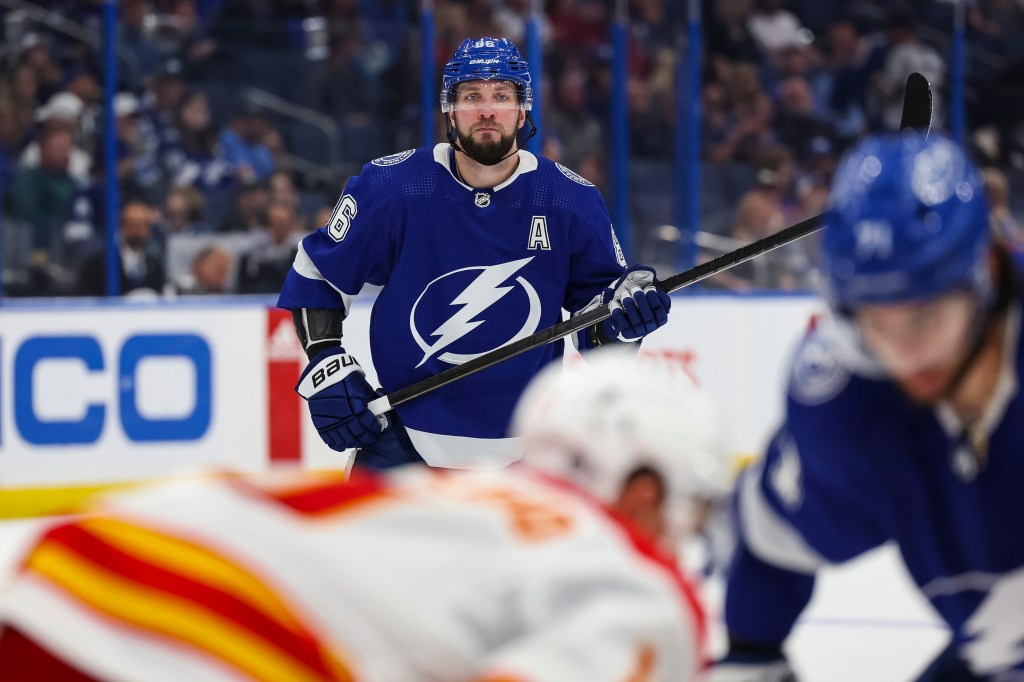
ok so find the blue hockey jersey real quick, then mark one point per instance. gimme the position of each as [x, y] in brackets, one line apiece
[464, 270]
[857, 465]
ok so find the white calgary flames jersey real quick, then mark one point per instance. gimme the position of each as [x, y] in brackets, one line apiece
[414, 576]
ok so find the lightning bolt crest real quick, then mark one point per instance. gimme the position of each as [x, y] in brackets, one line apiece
[481, 294]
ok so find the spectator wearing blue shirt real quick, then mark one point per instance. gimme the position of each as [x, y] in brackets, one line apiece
[245, 146]
[853, 60]
[138, 169]
[192, 156]
[164, 92]
[133, 36]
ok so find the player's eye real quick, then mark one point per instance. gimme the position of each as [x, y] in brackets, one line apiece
[503, 96]
[472, 96]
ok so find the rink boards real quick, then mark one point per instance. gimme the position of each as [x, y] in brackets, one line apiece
[102, 393]
[157, 389]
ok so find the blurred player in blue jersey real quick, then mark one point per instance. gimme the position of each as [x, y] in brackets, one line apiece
[477, 244]
[904, 420]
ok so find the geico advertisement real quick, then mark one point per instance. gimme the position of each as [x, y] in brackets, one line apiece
[115, 393]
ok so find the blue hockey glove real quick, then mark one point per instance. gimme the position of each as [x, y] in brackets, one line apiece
[638, 307]
[336, 389]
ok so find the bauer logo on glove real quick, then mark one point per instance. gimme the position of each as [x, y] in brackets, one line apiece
[338, 395]
[332, 368]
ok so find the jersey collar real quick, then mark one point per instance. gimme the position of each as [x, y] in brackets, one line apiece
[443, 156]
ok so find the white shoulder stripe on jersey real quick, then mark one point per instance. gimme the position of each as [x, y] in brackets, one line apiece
[973, 581]
[527, 164]
[768, 535]
[463, 452]
[441, 156]
[305, 267]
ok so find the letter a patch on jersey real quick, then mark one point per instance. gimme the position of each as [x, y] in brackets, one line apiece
[539, 238]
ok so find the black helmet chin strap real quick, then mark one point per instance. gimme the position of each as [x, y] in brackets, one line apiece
[983, 324]
[450, 131]
[993, 306]
[1006, 287]
[533, 127]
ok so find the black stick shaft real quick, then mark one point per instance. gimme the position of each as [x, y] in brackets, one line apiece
[592, 317]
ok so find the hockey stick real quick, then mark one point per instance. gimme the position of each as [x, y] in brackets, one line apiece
[917, 115]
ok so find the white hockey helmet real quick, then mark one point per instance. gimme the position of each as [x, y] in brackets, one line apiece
[597, 420]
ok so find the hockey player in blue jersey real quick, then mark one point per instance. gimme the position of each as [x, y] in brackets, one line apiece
[904, 421]
[477, 244]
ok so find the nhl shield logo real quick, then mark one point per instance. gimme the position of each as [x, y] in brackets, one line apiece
[482, 199]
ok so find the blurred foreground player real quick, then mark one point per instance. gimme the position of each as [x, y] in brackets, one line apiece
[477, 244]
[414, 575]
[904, 420]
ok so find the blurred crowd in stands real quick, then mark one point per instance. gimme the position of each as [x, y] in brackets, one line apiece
[238, 121]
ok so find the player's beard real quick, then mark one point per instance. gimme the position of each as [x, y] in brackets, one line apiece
[488, 152]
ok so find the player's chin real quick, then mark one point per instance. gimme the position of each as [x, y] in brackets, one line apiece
[488, 151]
[926, 387]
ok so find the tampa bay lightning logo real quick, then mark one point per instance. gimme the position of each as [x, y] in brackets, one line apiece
[818, 375]
[474, 307]
[393, 159]
[574, 176]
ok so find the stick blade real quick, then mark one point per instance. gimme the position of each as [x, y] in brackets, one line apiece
[917, 104]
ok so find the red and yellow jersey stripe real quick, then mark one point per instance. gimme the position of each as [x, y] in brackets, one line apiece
[320, 494]
[175, 589]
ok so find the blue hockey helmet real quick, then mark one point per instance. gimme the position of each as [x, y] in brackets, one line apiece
[908, 219]
[486, 59]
